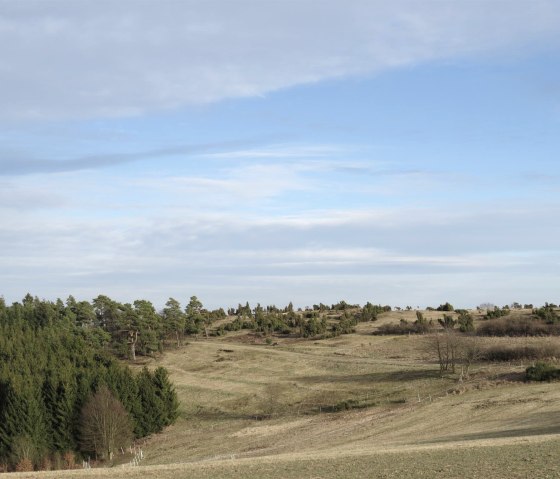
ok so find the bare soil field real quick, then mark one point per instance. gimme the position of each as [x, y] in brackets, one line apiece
[353, 406]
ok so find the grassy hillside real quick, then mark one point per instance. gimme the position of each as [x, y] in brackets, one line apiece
[352, 406]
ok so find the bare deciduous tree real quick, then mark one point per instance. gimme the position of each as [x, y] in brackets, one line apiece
[469, 351]
[452, 349]
[105, 425]
[445, 345]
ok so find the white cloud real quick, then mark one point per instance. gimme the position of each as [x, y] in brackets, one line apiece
[90, 58]
[280, 151]
[414, 255]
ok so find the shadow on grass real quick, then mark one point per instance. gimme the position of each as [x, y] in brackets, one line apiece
[512, 377]
[549, 420]
[394, 376]
[227, 416]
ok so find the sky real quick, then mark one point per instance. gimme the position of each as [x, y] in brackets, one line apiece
[402, 152]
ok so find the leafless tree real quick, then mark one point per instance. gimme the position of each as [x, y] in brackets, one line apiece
[469, 351]
[452, 349]
[445, 346]
[105, 425]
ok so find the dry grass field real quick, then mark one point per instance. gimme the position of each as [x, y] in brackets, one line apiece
[354, 406]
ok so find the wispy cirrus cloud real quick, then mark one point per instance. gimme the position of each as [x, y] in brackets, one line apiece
[281, 152]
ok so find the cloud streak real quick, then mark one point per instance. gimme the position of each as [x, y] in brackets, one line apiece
[27, 166]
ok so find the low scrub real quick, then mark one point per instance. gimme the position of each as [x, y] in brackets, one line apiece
[348, 405]
[515, 353]
[497, 312]
[511, 326]
[547, 313]
[542, 372]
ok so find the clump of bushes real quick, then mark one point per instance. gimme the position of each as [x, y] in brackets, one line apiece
[420, 326]
[370, 311]
[344, 326]
[497, 312]
[547, 314]
[237, 324]
[542, 372]
[314, 327]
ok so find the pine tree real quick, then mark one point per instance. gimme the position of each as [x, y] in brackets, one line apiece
[174, 320]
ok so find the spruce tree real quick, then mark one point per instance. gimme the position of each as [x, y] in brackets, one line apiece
[166, 392]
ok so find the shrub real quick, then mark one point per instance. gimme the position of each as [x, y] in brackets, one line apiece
[547, 314]
[69, 460]
[447, 322]
[542, 372]
[46, 464]
[370, 311]
[465, 321]
[314, 327]
[496, 313]
[24, 465]
[445, 307]
[238, 324]
[420, 326]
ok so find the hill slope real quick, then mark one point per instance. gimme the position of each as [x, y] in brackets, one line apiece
[352, 406]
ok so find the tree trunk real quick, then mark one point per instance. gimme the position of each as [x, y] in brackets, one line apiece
[133, 339]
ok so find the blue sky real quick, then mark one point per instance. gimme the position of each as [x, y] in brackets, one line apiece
[394, 152]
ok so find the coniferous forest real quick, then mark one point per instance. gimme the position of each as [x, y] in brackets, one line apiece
[55, 358]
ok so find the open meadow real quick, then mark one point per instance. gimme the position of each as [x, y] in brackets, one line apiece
[358, 405]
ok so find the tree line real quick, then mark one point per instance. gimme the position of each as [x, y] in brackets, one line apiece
[131, 329]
